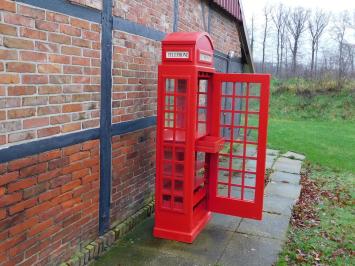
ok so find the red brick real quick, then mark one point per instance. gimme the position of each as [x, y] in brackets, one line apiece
[8, 177]
[95, 27]
[49, 68]
[31, 12]
[49, 175]
[22, 184]
[47, 47]
[61, 198]
[21, 113]
[57, 17]
[21, 163]
[9, 78]
[73, 107]
[18, 43]
[2, 115]
[90, 178]
[20, 67]
[8, 54]
[71, 50]
[73, 167]
[71, 149]
[60, 119]
[35, 79]
[25, 135]
[81, 173]
[2, 140]
[36, 122]
[79, 23]
[33, 170]
[33, 56]
[81, 42]
[71, 127]
[71, 185]
[8, 30]
[44, 132]
[49, 90]
[38, 209]
[81, 61]
[94, 36]
[59, 79]
[22, 206]
[70, 203]
[2, 214]
[70, 30]
[48, 195]
[40, 227]
[72, 69]
[7, 5]
[2, 190]
[33, 34]
[60, 59]
[50, 155]
[49, 110]
[34, 101]
[18, 20]
[47, 26]
[59, 38]
[79, 156]
[23, 226]
[10, 199]
[81, 79]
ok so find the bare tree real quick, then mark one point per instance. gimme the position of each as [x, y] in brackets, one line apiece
[277, 16]
[296, 25]
[252, 36]
[341, 25]
[267, 18]
[316, 25]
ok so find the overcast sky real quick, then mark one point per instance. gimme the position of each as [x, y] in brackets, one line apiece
[255, 8]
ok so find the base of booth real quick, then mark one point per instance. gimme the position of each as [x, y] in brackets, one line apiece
[182, 236]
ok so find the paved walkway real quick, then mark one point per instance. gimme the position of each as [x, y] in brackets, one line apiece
[226, 240]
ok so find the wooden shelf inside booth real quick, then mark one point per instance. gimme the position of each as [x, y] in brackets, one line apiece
[210, 144]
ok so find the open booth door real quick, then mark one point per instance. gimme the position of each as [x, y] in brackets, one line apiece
[237, 172]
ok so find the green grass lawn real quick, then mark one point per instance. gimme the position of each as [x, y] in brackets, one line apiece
[321, 126]
[327, 143]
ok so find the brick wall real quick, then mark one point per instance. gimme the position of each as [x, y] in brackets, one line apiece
[135, 65]
[49, 73]
[49, 205]
[97, 4]
[133, 170]
[156, 14]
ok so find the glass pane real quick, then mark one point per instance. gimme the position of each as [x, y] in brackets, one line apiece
[169, 119]
[225, 132]
[254, 105]
[178, 185]
[168, 153]
[203, 85]
[236, 178]
[226, 103]
[166, 201]
[223, 176]
[240, 90]
[249, 194]
[169, 85]
[226, 118]
[179, 169]
[167, 168]
[239, 104]
[201, 129]
[179, 155]
[251, 165]
[254, 89]
[222, 190]
[180, 120]
[236, 192]
[237, 163]
[202, 100]
[249, 180]
[182, 86]
[227, 88]
[251, 150]
[181, 103]
[223, 161]
[178, 202]
[253, 120]
[166, 184]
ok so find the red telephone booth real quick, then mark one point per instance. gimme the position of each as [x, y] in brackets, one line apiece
[211, 139]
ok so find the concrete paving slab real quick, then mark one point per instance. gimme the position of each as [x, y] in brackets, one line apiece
[271, 226]
[270, 159]
[294, 156]
[285, 177]
[250, 251]
[288, 165]
[224, 222]
[283, 190]
[272, 152]
[278, 205]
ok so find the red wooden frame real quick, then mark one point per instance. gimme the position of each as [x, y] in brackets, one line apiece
[189, 143]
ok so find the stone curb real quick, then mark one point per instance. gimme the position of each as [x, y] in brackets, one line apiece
[97, 247]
